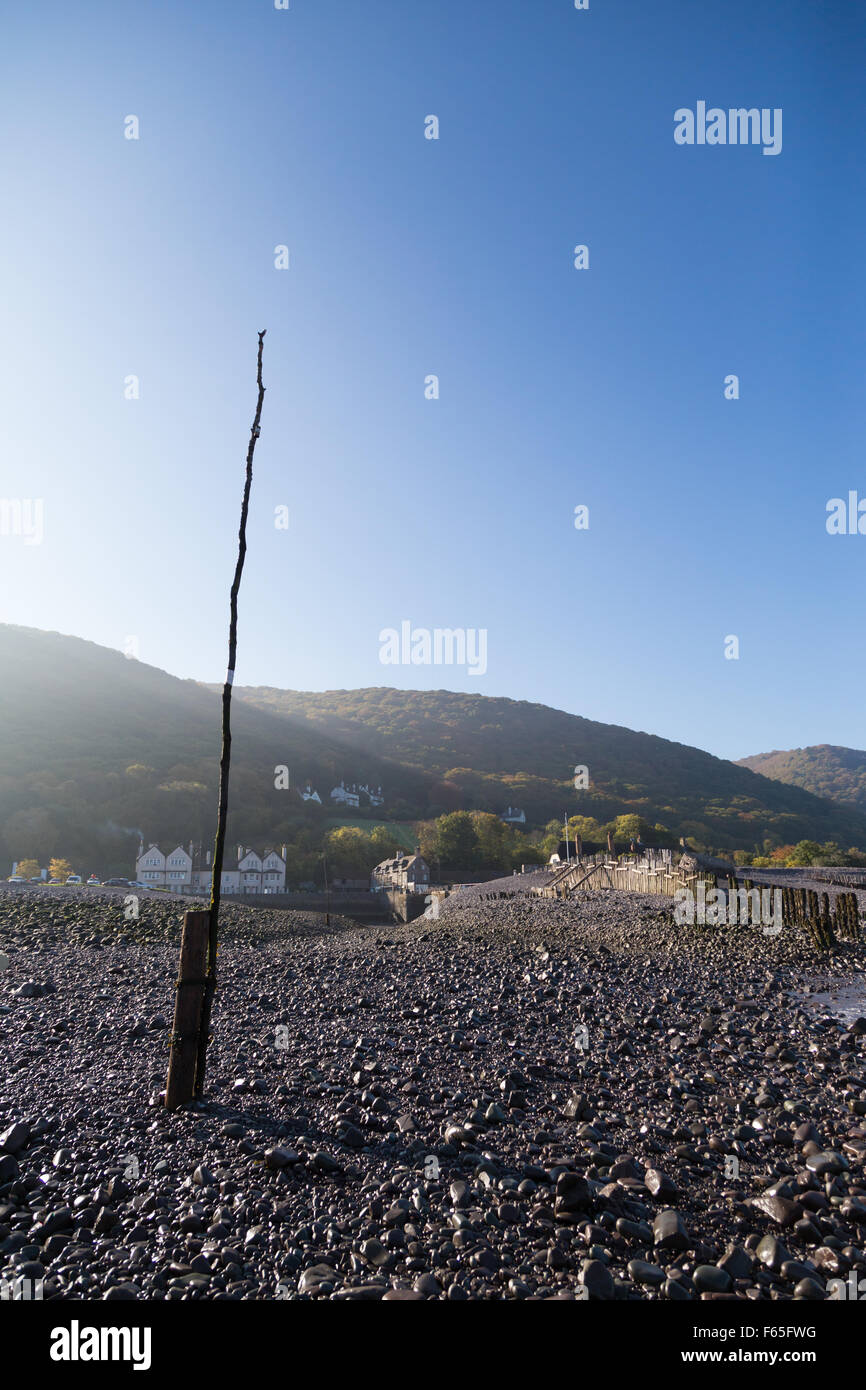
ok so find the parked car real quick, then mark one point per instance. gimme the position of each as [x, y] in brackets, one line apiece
[134, 883]
[117, 883]
[16, 878]
[94, 882]
[55, 883]
[74, 878]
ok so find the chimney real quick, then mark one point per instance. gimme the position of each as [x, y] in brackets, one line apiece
[190, 849]
[207, 859]
[240, 853]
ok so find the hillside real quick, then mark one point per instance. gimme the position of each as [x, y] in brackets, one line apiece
[491, 752]
[96, 750]
[839, 774]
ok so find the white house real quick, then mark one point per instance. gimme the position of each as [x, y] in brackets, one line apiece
[180, 872]
[346, 796]
[229, 880]
[514, 816]
[150, 866]
[350, 795]
[250, 870]
[308, 794]
[374, 797]
[158, 870]
[273, 873]
[261, 873]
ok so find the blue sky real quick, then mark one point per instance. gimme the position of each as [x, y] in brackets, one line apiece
[411, 257]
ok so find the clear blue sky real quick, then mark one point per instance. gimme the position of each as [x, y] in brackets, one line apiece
[410, 257]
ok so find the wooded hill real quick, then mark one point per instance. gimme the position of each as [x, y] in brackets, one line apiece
[490, 752]
[96, 749]
[839, 774]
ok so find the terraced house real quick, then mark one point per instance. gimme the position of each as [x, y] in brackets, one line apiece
[183, 871]
[172, 870]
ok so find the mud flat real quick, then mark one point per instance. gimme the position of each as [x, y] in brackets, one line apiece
[521, 1099]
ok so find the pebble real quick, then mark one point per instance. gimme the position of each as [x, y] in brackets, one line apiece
[524, 1169]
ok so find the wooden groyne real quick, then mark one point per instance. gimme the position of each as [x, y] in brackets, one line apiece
[656, 872]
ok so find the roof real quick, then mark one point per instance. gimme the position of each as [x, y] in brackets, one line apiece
[401, 862]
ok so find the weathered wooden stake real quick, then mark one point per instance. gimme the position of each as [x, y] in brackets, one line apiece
[187, 1010]
[206, 970]
[226, 752]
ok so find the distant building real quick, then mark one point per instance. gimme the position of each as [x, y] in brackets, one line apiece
[308, 794]
[374, 797]
[346, 796]
[172, 870]
[514, 816]
[184, 871]
[408, 871]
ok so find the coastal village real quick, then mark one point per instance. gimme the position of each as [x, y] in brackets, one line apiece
[189, 871]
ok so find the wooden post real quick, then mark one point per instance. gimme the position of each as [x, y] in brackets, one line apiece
[226, 749]
[187, 1010]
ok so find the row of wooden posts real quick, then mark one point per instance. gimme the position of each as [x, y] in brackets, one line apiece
[602, 872]
[804, 908]
[801, 907]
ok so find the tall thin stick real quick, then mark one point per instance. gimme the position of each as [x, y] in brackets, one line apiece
[225, 756]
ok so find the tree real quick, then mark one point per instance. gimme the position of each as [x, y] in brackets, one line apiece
[587, 827]
[805, 852]
[350, 852]
[302, 866]
[629, 827]
[59, 868]
[28, 868]
[456, 839]
[384, 843]
[493, 837]
[425, 835]
[781, 855]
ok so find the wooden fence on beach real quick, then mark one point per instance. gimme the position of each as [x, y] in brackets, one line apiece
[655, 872]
